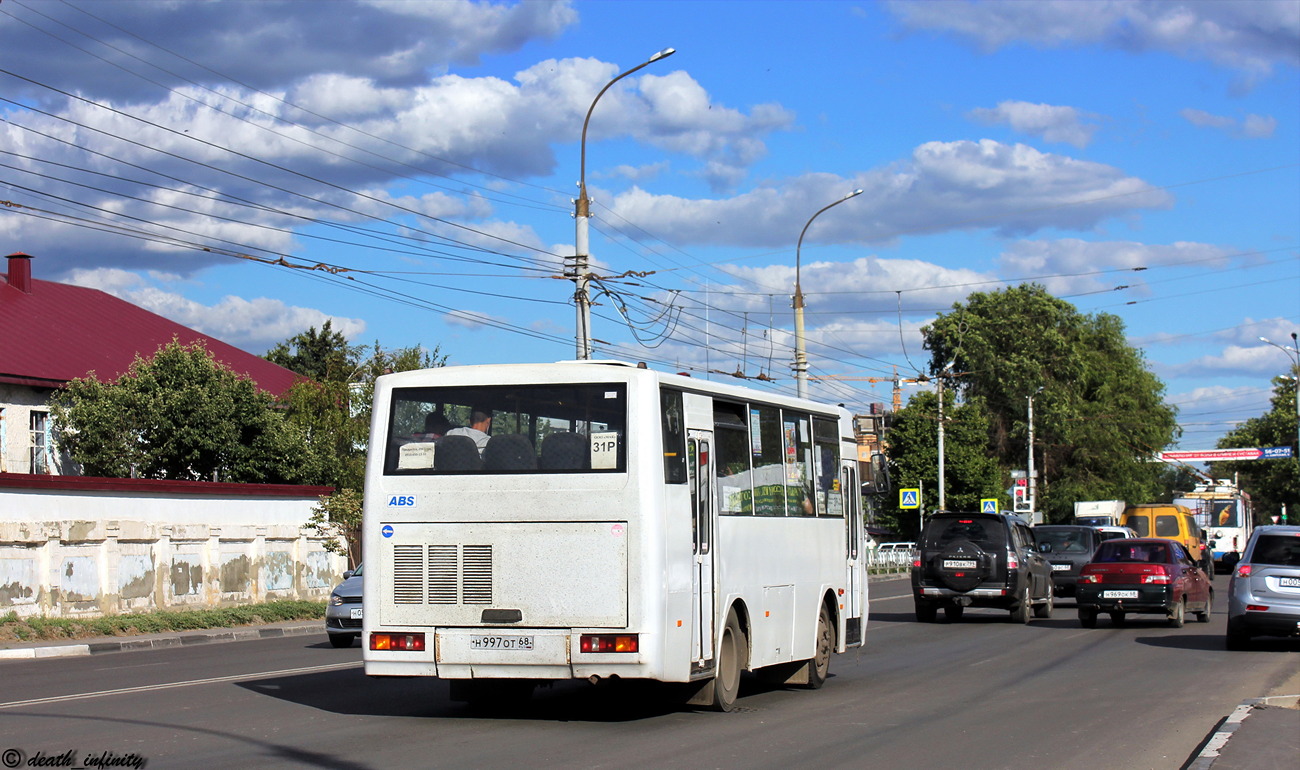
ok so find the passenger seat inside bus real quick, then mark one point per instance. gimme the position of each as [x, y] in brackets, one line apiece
[456, 453]
[565, 451]
[509, 452]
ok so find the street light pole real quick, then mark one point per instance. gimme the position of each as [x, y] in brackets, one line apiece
[800, 365]
[582, 212]
[1292, 350]
[1033, 480]
[938, 389]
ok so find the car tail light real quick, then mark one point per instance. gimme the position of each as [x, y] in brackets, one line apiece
[402, 642]
[1256, 608]
[1243, 570]
[1158, 578]
[608, 643]
[916, 562]
[1089, 577]
[1012, 561]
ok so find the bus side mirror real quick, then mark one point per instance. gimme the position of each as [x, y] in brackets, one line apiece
[879, 482]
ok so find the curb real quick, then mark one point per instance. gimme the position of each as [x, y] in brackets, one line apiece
[157, 642]
[1223, 733]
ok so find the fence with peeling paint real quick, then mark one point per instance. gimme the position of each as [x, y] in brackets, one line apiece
[75, 546]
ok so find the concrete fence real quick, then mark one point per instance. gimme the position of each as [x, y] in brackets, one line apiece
[74, 546]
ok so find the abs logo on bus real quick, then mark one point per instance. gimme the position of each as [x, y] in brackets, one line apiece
[401, 501]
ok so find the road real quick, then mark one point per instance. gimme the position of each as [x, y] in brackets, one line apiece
[981, 693]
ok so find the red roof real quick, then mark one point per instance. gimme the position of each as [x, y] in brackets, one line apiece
[58, 332]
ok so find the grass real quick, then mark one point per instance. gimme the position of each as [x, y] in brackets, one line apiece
[13, 628]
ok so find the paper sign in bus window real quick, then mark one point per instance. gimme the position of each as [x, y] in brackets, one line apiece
[413, 456]
[604, 451]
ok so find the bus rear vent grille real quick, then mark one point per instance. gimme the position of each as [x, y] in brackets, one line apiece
[442, 574]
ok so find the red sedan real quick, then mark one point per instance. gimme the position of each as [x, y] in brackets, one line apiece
[1143, 575]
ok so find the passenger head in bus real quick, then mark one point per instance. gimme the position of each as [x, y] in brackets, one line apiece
[480, 425]
[436, 426]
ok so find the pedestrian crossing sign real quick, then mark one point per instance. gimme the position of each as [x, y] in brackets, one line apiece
[909, 498]
[989, 505]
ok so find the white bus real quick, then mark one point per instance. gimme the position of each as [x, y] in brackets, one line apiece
[619, 523]
[1225, 513]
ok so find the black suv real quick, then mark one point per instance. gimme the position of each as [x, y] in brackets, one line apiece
[980, 560]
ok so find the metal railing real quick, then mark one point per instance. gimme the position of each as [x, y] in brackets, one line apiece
[889, 561]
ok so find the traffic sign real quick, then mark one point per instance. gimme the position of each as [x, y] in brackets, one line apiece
[909, 498]
[988, 505]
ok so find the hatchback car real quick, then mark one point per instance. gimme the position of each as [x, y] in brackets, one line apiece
[1110, 533]
[1067, 547]
[343, 611]
[1144, 576]
[1264, 591]
[979, 560]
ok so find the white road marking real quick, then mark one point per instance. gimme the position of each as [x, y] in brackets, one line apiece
[173, 685]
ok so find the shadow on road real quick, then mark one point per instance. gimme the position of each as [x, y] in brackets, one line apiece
[1214, 642]
[351, 692]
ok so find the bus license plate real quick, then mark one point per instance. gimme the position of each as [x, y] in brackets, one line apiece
[1119, 594]
[959, 564]
[355, 614]
[1288, 582]
[501, 642]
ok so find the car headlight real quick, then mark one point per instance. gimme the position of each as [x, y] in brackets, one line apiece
[336, 600]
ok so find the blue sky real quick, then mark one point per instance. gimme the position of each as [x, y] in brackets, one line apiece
[1137, 158]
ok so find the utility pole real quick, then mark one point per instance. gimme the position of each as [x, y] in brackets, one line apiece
[1033, 476]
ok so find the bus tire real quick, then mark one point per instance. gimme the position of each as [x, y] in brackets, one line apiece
[820, 666]
[731, 657]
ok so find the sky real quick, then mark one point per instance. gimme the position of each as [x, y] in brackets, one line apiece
[406, 170]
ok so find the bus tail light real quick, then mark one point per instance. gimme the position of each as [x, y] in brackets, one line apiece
[399, 642]
[608, 643]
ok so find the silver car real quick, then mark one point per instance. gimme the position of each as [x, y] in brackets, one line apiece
[1264, 593]
[343, 611]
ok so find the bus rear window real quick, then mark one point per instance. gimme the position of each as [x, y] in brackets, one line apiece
[515, 429]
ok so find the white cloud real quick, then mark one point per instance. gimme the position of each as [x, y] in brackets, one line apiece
[1250, 127]
[1053, 123]
[1251, 37]
[1070, 266]
[942, 187]
[253, 325]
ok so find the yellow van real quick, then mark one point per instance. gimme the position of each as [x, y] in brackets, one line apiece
[1172, 522]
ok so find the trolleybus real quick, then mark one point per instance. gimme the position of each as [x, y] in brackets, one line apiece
[618, 522]
[1224, 512]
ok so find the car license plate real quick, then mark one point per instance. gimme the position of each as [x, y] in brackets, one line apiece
[959, 564]
[1061, 567]
[355, 613]
[1289, 582]
[1119, 594]
[501, 642]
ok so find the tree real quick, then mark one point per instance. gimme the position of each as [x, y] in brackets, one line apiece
[178, 415]
[338, 519]
[970, 474]
[1099, 412]
[331, 415]
[1270, 483]
[323, 356]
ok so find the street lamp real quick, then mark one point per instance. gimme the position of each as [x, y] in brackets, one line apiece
[582, 211]
[1292, 350]
[800, 365]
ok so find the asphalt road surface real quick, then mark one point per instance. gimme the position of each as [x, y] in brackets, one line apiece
[979, 693]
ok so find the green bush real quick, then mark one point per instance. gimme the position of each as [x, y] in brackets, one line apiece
[29, 629]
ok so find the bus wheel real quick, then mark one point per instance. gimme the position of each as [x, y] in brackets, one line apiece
[726, 684]
[820, 665]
